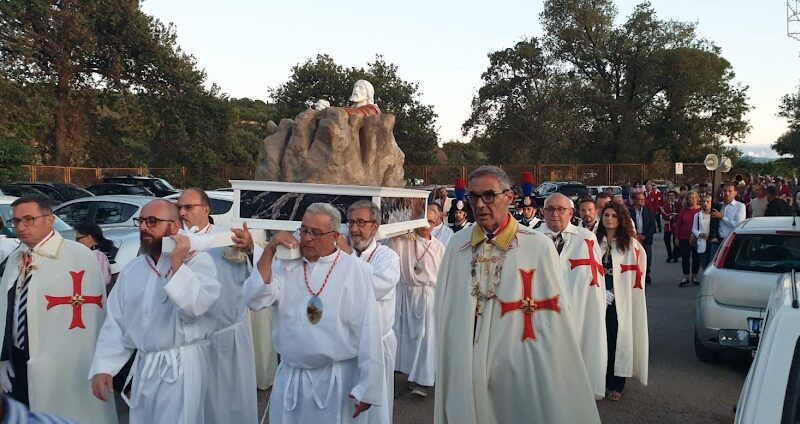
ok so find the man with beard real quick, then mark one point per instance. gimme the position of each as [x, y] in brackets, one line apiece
[588, 213]
[363, 221]
[159, 307]
[439, 229]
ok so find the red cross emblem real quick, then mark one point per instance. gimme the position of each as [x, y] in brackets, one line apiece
[76, 300]
[591, 262]
[528, 305]
[634, 267]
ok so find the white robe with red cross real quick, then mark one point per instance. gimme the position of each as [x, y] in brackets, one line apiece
[519, 360]
[65, 310]
[632, 353]
[585, 291]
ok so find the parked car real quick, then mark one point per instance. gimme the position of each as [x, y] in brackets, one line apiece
[571, 189]
[736, 286]
[19, 191]
[119, 188]
[107, 211]
[158, 186]
[771, 390]
[5, 214]
[56, 191]
[221, 205]
[595, 190]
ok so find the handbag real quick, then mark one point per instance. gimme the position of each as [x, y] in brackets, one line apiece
[692, 237]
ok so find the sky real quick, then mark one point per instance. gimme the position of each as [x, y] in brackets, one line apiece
[248, 46]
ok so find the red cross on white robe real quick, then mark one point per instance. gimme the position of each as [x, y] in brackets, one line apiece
[591, 262]
[76, 300]
[634, 267]
[528, 305]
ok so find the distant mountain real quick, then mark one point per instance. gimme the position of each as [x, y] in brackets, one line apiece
[758, 152]
[756, 159]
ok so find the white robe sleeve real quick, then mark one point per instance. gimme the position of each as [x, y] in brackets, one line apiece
[259, 295]
[111, 353]
[385, 276]
[194, 288]
[369, 386]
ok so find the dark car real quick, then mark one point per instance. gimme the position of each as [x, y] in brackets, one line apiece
[19, 191]
[119, 188]
[571, 189]
[56, 191]
[158, 186]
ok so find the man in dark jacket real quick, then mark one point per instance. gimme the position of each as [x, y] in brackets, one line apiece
[645, 222]
[775, 205]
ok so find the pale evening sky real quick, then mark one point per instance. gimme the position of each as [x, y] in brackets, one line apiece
[246, 46]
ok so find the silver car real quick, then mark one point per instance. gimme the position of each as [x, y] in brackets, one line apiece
[111, 211]
[736, 286]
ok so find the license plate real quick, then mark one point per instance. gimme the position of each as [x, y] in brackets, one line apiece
[755, 324]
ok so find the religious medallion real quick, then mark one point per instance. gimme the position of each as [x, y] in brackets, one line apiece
[314, 310]
[418, 267]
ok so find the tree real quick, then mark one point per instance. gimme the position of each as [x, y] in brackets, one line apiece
[648, 88]
[322, 78]
[77, 47]
[789, 142]
[463, 154]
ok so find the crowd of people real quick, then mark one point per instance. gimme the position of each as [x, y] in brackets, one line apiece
[509, 310]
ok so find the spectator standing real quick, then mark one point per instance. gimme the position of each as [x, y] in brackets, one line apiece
[731, 212]
[654, 201]
[758, 206]
[706, 229]
[90, 235]
[645, 222]
[669, 211]
[690, 260]
[776, 206]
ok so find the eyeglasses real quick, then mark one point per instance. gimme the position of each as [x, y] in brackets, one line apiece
[150, 221]
[27, 220]
[315, 235]
[189, 206]
[487, 196]
[552, 210]
[360, 223]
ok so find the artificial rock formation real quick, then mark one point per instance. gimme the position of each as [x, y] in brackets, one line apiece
[330, 146]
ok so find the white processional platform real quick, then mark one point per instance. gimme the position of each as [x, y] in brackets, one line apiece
[279, 206]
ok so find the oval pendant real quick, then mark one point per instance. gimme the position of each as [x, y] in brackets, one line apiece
[418, 267]
[314, 310]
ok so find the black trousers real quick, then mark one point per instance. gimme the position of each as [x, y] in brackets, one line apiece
[612, 381]
[672, 250]
[658, 221]
[687, 252]
[648, 248]
[19, 385]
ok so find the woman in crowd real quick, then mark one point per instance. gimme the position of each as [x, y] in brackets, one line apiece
[90, 235]
[683, 232]
[669, 211]
[625, 264]
[706, 229]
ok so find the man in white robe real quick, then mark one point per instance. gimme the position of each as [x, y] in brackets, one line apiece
[231, 395]
[506, 349]
[53, 305]
[420, 257]
[585, 292]
[159, 307]
[326, 326]
[439, 228]
[363, 222]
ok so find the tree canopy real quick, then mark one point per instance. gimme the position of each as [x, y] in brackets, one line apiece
[592, 91]
[789, 142]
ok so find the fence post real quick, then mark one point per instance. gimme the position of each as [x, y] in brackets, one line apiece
[183, 177]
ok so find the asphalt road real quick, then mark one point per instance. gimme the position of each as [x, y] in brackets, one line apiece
[681, 388]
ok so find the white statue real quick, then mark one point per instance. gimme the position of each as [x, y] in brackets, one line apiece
[363, 99]
[322, 104]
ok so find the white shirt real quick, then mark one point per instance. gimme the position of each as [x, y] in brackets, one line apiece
[442, 233]
[639, 221]
[384, 264]
[732, 215]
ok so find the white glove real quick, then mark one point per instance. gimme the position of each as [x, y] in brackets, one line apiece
[6, 374]
[609, 297]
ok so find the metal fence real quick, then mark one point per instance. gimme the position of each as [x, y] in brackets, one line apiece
[209, 178]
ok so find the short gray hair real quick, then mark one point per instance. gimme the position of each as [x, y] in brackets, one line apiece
[492, 171]
[557, 196]
[374, 212]
[328, 210]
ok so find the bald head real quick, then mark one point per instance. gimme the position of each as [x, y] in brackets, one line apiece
[558, 198]
[161, 208]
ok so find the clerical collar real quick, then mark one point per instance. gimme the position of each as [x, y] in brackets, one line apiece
[323, 259]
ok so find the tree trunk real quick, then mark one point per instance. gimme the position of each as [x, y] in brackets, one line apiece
[60, 113]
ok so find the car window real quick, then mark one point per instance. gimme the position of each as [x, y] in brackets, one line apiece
[50, 192]
[167, 186]
[763, 252]
[5, 215]
[76, 212]
[114, 212]
[219, 206]
[572, 190]
[140, 191]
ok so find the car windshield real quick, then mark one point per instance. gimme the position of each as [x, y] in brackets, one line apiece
[764, 252]
[5, 214]
[572, 190]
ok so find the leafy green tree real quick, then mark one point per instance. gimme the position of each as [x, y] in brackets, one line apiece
[463, 153]
[322, 78]
[789, 142]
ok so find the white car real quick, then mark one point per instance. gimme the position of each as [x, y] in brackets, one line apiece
[771, 392]
[736, 286]
[221, 205]
[5, 214]
[109, 211]
[595, 190]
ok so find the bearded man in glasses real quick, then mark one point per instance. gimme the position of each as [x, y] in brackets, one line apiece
[506, 348]
[53, 304]
[159, 308]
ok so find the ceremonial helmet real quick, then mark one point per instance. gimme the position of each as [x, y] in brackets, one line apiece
[527, 200]
[460, 203]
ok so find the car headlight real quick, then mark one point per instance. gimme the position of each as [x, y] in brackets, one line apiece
[734, 338]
